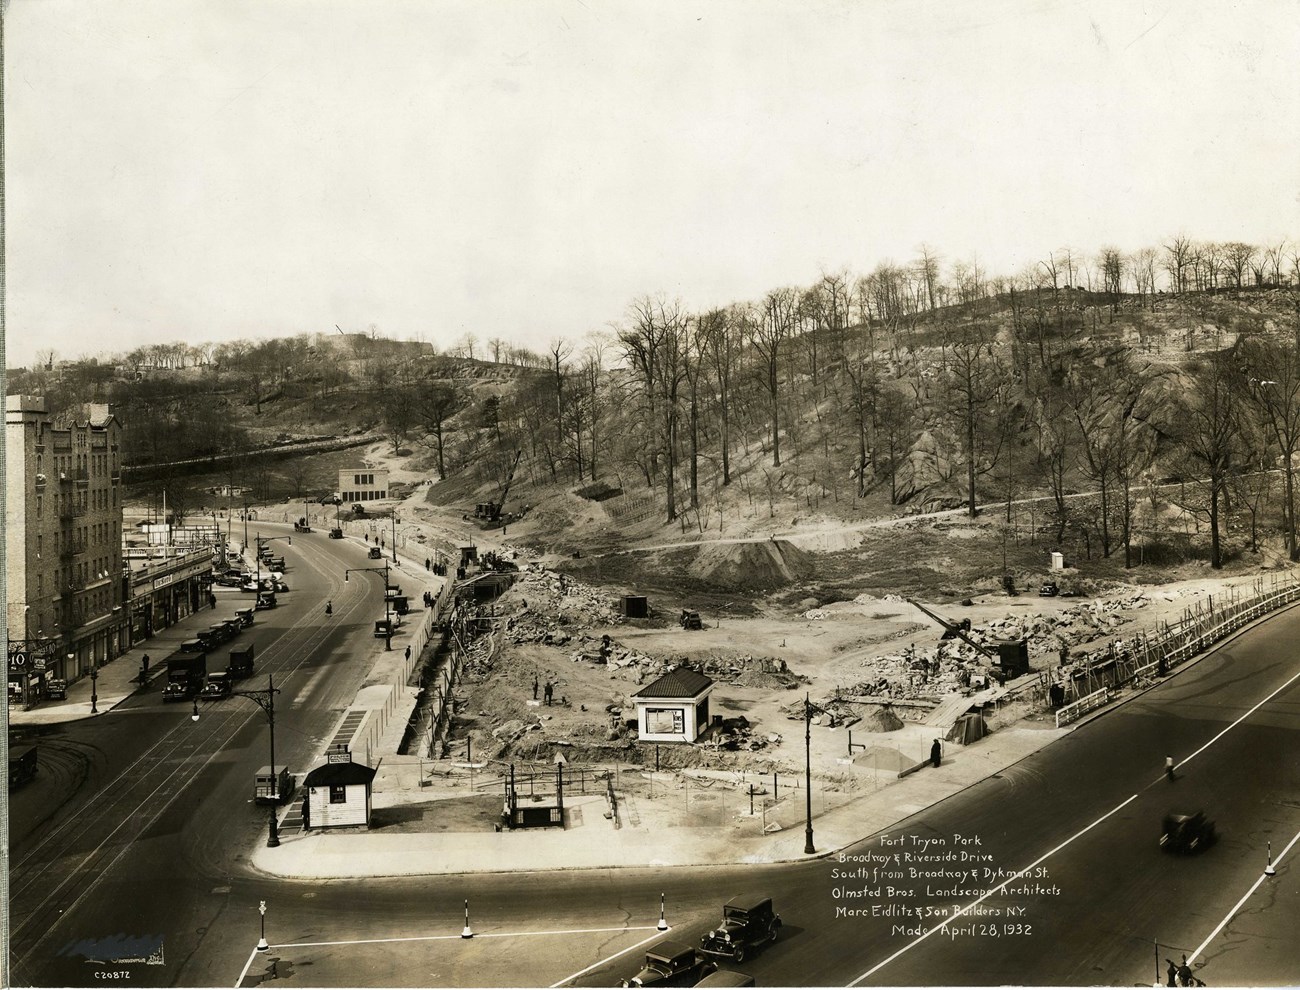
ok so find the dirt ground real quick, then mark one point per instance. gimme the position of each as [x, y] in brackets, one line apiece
[765, 644]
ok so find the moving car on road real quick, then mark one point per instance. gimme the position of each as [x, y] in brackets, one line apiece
[671, 964]
[1186, 833]
[217, 687]
[748, 923]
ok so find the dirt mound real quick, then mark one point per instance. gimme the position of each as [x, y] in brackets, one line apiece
[882, 758]
[880, 718]
[752, 566]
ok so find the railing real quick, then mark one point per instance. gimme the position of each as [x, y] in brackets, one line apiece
[1196, 631]
[71, 548]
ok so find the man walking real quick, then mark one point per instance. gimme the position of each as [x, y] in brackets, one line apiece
[936, 753]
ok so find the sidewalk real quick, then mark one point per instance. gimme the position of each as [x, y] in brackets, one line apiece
[118, 679]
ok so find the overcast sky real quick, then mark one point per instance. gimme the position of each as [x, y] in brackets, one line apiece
[208, 171]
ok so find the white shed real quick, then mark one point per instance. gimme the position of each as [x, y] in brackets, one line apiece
[675, 708]
[337, 794]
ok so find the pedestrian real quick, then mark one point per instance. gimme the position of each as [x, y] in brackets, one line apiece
[367, 536]
[408, 651]
[548, 691]
[212, 599]
[1172, 973]
[936, 753]
[534, 687]
[427, 563]
[1169, 767]
[144, 666]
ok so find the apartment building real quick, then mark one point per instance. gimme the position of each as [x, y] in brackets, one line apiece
[63, 539]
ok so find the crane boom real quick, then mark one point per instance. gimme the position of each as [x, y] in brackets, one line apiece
[954, 630]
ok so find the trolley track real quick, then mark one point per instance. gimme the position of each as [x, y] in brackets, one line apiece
[69, 861]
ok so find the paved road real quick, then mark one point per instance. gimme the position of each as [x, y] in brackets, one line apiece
[152, 812]
[1084, 812]
[1082, 817]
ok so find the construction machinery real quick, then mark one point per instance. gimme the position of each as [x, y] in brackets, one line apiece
[489, 513]
[1011, 660]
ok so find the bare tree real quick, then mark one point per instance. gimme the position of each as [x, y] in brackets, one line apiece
[771, 330]
[1210, 433]
[1236, 260]
[1178, 259]
[1273, 382]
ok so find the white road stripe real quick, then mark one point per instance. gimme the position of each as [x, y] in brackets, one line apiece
[458, 937]
[1245, 897]
[1015, 877]
[610, 959]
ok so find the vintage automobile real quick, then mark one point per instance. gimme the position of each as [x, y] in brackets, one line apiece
[747, 924]
[336, 533]
[375, 553]
[1186, 833]
[1049, 590]
[245, 616]
[266, 599]
[671, 964]
[217, 687]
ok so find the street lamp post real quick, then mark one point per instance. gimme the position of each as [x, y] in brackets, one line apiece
[807, 769]
[388, 623]
[94, 688]
[394, 538]
[264, 700]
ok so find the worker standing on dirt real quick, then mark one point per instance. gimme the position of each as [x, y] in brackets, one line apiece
[549, 691]
[534, 687]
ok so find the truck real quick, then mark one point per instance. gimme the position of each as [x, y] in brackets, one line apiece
[273, 786]
[22, 765]
[241, 662]
[185, 675]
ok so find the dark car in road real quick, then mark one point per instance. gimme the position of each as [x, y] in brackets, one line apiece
[671, 964]
[1186, 833]
[748, 923]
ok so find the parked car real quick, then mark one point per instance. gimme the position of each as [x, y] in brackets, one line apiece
[671, 964]
[375, 553]
[336, 533]
[1186, 833]
[747, 924]
[1049, 590]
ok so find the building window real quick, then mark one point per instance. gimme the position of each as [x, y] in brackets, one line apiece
[338, 794]
[663, 721]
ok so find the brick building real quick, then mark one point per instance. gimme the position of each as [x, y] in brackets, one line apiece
[63, 543]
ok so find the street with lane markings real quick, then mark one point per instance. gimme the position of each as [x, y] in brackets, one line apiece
[1047, 873]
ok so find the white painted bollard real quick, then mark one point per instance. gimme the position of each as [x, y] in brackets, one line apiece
[663, 925]
[467, 932]
[1268, 870]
